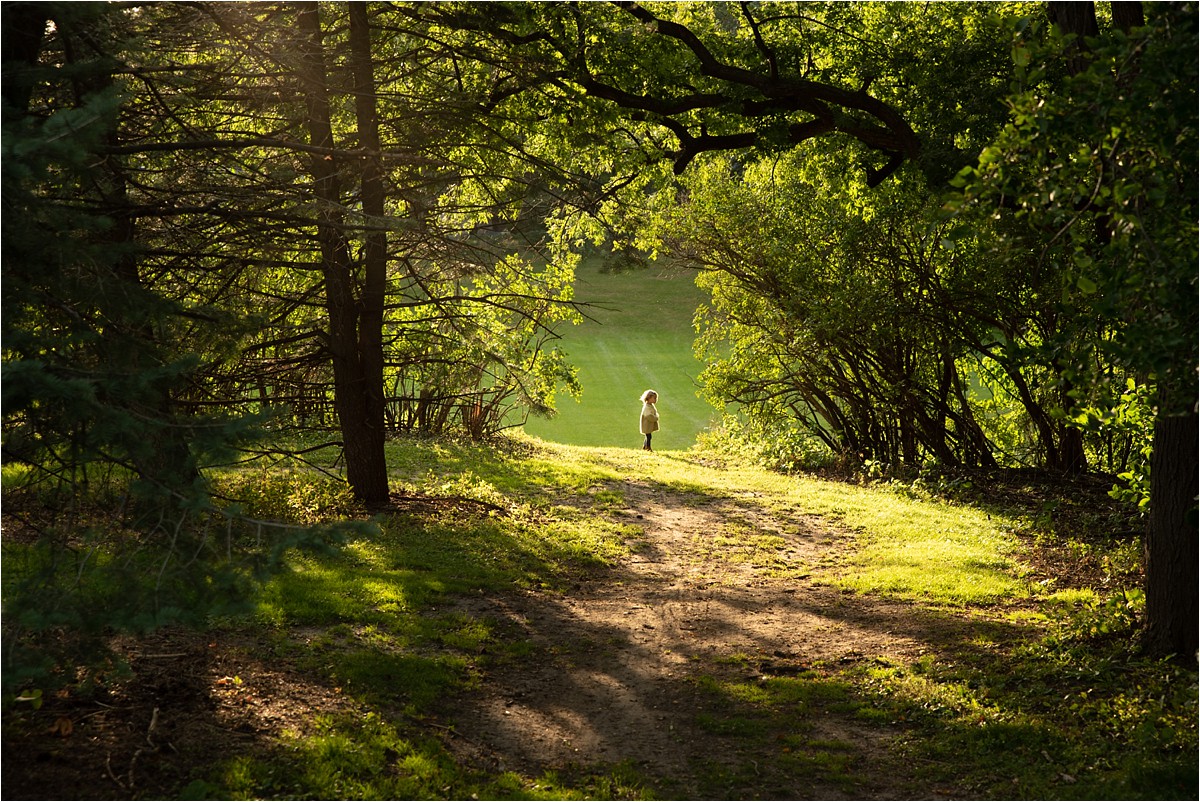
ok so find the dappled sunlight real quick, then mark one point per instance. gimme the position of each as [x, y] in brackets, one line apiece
[329, 592]
[620, 660]
[667, 627]
[369, 553]
[909, 547]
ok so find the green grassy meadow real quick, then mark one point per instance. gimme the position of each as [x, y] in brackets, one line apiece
[639, 337]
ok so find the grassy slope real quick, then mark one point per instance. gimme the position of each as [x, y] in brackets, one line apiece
[1062, 709]
[983, 726]
[640, 338]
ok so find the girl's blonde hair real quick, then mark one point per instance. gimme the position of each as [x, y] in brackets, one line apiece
[647, 394]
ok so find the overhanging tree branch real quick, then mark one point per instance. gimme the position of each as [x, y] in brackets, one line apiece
[833, 108]
[742, 98]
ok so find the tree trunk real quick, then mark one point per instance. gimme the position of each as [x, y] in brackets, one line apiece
[1078, 18]
[362, 438]
[370, 332]
[160, 452]
[1172, 543]
[1172, 552]
[22, 28]
[1072, 457]
[1128, 16]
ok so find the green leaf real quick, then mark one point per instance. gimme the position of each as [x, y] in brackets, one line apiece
[33, 696]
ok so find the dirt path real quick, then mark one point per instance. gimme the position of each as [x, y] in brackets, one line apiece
[619, 669]
[617, 657]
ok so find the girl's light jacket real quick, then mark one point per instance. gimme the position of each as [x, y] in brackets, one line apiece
[649, 418]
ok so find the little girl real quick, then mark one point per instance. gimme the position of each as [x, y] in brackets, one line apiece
[649, 417]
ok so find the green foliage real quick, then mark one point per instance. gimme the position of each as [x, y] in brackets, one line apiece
[1002, 415]
[468, 328]
[134, 262]
[844, 316]
[145, 221]
[854, 312]
[488, 355]
[777, 444]
[89, 574]
[1124, 425]
[120, 533]
[1093, 169]
[288, 495]
[84, 373]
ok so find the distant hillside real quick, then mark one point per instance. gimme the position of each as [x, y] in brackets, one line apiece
[640, 338]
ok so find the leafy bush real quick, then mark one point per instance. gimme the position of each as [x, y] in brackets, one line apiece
[1122, 426]
[778, 445]
[288, 495]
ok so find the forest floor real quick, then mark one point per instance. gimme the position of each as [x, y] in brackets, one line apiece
[625, 668]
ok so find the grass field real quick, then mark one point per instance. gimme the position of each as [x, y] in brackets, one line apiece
[639, 338]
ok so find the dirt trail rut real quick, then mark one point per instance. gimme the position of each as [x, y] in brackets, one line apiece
[616, 658]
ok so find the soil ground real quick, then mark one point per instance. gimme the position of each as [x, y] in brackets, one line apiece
[612, 677]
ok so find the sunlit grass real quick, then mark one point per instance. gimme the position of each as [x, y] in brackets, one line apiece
[904, 547]
[370, 757]
[979, 717]
[638, 336]
[913, 548]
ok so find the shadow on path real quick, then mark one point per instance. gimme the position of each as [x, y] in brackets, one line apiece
[614, 675]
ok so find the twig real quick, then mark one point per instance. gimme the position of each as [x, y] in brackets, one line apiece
[115, 778]
[152, 747]
[86, 716]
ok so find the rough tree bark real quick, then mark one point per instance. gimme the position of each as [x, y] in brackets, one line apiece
[361, 420]
[370, 326]
[1173, 542]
